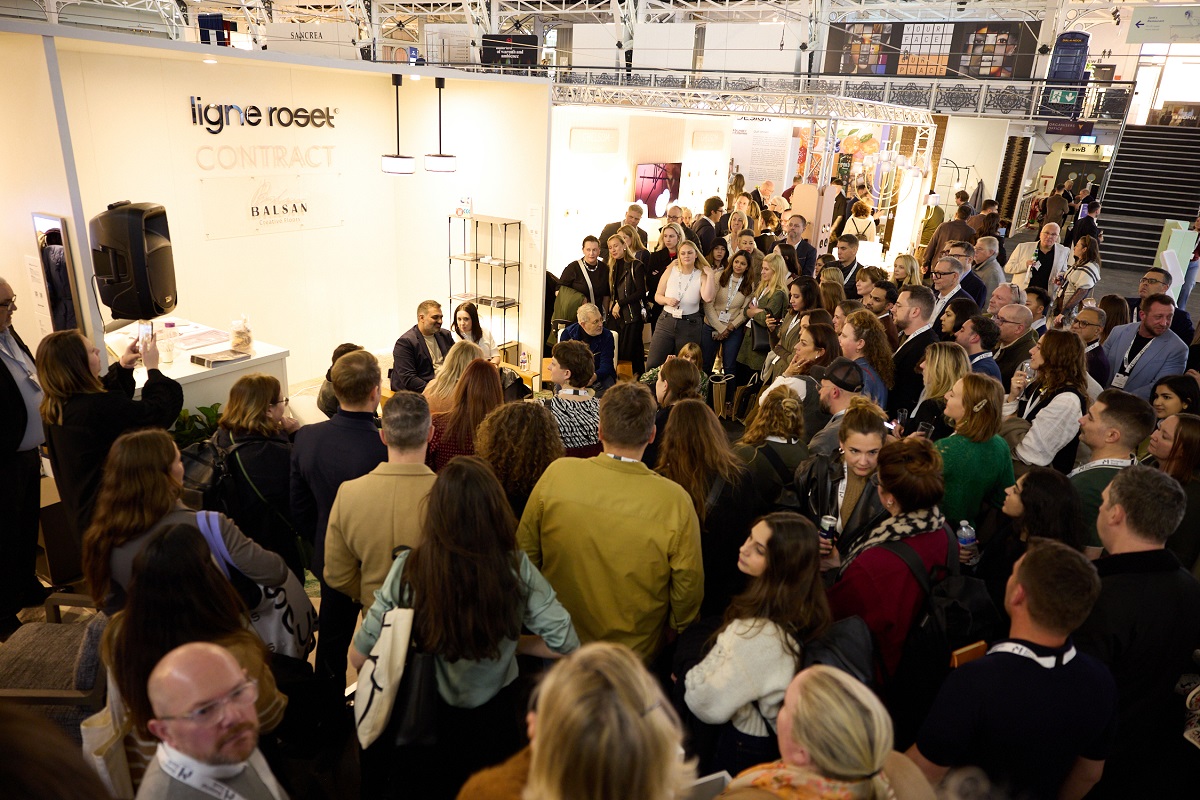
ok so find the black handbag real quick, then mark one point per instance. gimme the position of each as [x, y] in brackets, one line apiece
[414, 715]
[761, 341]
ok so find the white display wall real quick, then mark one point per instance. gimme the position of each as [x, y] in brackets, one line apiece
[356, 249]
[972, 143]
[594, 155]
[655, 46]
[754, 47]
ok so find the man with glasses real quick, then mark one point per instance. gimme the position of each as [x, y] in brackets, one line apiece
[207, 727]
[1039, 263]
[1016, 340]
[675, 214]
[1088, 325]
[947, 273]
[1003, 295]
[20, 469]
[633, 215]
[969, 281]
[1158, 281]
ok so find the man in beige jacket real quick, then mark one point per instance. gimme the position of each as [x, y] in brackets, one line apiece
[382, 510]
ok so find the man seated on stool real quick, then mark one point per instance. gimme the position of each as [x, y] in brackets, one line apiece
[591, 331]
[207, 726]
[420, 351]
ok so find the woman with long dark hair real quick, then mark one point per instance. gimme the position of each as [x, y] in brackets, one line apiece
[725, 316]
[1175, 448]
[85, 414]
[958, 311]
[180, 596]
[760, 647]
[469, 541]
[678, 379]
[628, 312]
[1053, 402]
[788, 253]
[138, 498]
[254, 428]
[1116, 313]
[718, 256]
[695, 453]
[466, 328]
[817, 345]
[1078, 282]
[477, 393]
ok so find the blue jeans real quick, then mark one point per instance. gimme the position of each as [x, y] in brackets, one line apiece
[1189, 281]
[729, 352]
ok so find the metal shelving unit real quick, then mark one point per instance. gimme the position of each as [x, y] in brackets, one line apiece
[491, 245]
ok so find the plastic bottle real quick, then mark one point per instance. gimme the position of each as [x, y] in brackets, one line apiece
[967, 544]
[524, 363]
[166, 343]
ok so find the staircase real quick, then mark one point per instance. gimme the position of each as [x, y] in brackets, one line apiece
[1154, 177]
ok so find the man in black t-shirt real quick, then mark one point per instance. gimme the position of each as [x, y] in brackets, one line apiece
[1035, 714]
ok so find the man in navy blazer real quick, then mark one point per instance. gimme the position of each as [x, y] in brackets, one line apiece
[420, 349]
[913, 312]
[1142, 352]
[325, 455]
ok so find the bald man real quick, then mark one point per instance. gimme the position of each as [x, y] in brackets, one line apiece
[207, 727]
[763, 194]
[1017, 338]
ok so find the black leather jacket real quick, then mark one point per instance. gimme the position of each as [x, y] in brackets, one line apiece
[816, 486]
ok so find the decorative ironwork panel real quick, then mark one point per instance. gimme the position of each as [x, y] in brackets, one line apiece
[606, 78]
[822, 86]
[706, 83]
[957, 97]
[865, 91]
[669, 81]
[1009, 99]
[782, 86]
[638, 79]
[911, 94]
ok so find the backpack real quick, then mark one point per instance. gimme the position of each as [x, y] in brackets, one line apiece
[208, 475]
[849, 646]
[958, 611]
[787, 500]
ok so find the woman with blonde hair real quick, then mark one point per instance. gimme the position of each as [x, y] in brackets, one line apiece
[665, 253]
[766, 306]
[634, 246]
[833, 274]
[439, 392]
[945, 364]
[864, 342]
[836, 739]
[83, 414]
[604, 731]
[255, 433]
[688, 282]
[906, 271]
[738, 221]
[773, 445]
[976, 462]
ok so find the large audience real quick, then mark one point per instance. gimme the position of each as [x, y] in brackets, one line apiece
[748, 455]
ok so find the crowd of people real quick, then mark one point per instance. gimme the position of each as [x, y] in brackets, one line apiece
[669, 582]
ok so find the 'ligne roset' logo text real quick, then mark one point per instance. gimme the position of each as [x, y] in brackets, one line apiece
[215, 117]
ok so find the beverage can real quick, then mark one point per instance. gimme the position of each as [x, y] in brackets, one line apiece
[828, 530]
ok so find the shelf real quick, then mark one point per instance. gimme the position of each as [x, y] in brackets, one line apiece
[482, 258]
[488, 220]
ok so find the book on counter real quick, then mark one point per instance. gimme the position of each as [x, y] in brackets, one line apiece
[216, 359]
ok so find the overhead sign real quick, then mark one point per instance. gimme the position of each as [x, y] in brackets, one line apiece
[1164, 25]
[1069, 127]
[329, 39]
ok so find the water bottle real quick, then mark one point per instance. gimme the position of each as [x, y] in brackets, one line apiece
[524, 362]
[967, 544]
[166, 343]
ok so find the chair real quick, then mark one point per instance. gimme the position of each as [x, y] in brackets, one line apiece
[624, 368]
[708, 787]
[55, 665]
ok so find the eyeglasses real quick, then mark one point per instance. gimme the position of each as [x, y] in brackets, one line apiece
[937, 274]
[212, 713]
[1147, 279]
[284, 401]
[8, 303]
[1002, 321]
[1078, 323]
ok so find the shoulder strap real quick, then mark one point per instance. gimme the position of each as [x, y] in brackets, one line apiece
[714, 493]
[776, 462]
[913, 561]
[238, 457]
[207, 522]
[591, 290]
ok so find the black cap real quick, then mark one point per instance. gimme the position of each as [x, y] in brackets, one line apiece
[842, 373]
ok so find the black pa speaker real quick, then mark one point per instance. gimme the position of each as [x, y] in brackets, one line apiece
[131, 252]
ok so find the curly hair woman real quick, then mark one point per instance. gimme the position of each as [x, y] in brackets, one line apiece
[863, 341]
[518, 440]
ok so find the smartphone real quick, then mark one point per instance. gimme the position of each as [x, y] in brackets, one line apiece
[145, 331]
[891, 426]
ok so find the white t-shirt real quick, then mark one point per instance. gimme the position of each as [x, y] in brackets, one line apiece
[486, 343]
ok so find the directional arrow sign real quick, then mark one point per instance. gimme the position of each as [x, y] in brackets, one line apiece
[1164, 25]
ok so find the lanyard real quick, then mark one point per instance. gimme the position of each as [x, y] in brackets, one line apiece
[1091, 347]
[1047, 662]
[734, 285]
[178, 769]
[1127, 365]
[574, 392]
[616, 457]
[980, 357]
[684, 289]
[1120, 463]
[914, 335]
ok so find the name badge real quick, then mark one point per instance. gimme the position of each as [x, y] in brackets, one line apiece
[675, 312]
[724, 316]
[1119, 381]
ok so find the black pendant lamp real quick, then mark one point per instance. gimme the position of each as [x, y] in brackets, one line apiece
[397, 164]
[439, 161]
